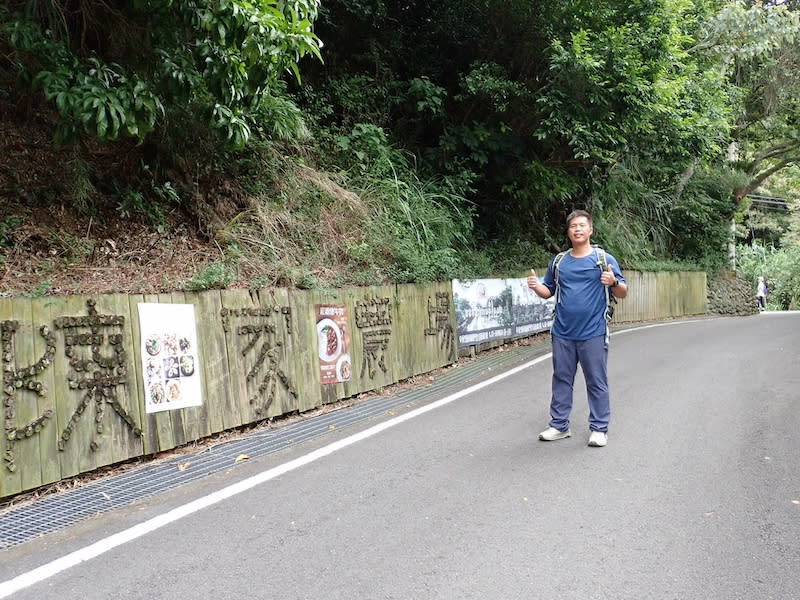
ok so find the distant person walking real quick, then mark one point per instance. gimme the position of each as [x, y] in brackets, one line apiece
[580, 334]
[761, 293]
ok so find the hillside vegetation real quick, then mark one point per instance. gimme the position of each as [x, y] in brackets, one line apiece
[177, 144]
[267, 218]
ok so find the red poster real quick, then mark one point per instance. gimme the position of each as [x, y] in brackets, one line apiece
[333, 337]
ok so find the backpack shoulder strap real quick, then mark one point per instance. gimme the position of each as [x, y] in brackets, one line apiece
[601, 257]
[556, 261]
[602, 262]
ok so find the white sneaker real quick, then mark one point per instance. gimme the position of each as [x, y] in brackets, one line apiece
[552, 434]
[598, 439]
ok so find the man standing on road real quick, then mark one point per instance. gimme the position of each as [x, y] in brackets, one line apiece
[581, 285]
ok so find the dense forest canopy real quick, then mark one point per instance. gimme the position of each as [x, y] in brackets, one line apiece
[363, 141]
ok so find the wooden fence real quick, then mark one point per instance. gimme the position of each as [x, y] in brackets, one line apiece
[654, 296]
[76, 393]
[74, 388]
[660, 295]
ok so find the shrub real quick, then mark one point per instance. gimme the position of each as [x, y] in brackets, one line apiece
[218, 275]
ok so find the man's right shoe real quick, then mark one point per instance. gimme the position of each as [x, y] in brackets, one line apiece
[598, 439]
[552, 434]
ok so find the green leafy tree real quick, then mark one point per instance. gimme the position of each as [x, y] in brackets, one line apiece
[756, 44]
[122, 72]
[540, 103]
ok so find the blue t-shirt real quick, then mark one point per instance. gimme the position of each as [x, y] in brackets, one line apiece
[581, 309]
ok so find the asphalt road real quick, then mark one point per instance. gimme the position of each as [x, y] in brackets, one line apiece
[697, 495]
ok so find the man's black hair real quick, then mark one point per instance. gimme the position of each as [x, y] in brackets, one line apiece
[578, 213]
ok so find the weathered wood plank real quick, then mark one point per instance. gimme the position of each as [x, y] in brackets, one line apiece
[99, 418]
[160, 422]
[45, 351]
[214, 360]
[374, 326]
[60, 395]
[273, 386]
[125, 404]
[149, 430]
[177, 416]
[196, 419]
[75, 406]
[28, 457]
[427, 331]
[346, 389]
[236, 305]
[306, 348]
[409, 333]
[328, 392]
[10, 476]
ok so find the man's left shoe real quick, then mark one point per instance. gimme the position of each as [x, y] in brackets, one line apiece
[598, 439]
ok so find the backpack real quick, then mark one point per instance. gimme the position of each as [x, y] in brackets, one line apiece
[602, 262]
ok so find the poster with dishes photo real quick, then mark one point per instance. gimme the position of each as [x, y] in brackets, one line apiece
[170, 368]
[333, 339]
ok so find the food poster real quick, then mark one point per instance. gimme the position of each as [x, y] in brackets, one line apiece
[334, 341]
[170, 367]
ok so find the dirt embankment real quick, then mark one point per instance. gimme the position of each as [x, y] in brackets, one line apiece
[60, 234]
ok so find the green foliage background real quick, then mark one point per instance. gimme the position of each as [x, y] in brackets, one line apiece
[372, 141]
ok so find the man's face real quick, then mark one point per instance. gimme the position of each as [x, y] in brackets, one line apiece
[579, 230]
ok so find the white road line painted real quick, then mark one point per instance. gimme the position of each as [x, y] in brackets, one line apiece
[39, 574]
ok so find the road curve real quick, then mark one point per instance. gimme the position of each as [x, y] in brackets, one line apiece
[696, 496]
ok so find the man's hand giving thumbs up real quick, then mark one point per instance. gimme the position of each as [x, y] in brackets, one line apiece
[608, 278]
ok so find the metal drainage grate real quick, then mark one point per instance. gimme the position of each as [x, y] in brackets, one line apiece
[19, 524]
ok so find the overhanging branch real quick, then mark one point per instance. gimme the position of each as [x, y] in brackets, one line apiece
[773, 152]
[759, 178]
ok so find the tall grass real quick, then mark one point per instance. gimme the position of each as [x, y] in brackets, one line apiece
[317, 228]
[630, 218]
[421, 228]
